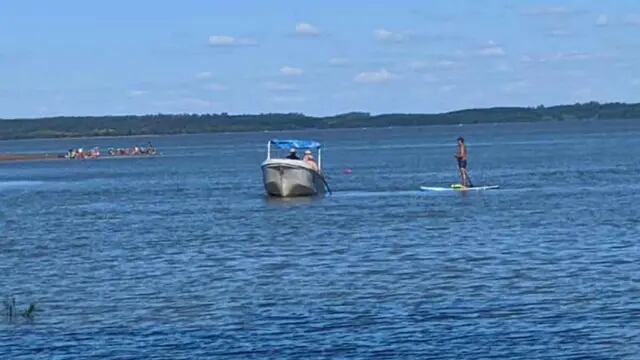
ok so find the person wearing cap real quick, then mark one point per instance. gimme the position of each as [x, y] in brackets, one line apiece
[308, 158]
[292, 154]
[461, 156]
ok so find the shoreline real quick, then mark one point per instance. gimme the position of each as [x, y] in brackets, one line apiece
[13, 158]
[30, 157]
[294, 130]
[154, 125]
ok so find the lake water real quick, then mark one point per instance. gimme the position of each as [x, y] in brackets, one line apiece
[182, 256]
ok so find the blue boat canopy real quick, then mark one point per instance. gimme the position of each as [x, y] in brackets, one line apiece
[296, 144]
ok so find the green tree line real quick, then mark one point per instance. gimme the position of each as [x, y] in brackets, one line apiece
[81, 126]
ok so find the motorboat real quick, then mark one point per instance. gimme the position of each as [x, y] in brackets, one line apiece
[285, 177]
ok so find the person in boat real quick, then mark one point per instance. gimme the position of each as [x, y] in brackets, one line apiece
[293, 155]
[461, 156]
[308, 158]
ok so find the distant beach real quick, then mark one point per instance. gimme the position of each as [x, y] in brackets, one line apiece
[30, 157]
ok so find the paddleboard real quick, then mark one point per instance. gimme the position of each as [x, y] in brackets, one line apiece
[458, 187]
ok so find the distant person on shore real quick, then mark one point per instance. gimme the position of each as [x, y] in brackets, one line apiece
[461, 156]
[308, 158]
[293, 155]
[150, 150]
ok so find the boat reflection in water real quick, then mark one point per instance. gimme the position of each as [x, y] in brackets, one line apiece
[292, 177]
[291, 202]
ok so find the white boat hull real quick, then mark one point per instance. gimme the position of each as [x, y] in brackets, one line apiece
[290, 178]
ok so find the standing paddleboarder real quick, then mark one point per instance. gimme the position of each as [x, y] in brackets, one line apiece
[461, 156]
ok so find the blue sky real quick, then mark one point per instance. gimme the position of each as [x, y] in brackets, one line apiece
[68, 57]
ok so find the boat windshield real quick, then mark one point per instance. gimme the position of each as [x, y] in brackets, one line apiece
[295, 144]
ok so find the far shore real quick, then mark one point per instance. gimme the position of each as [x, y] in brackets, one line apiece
[66, 127]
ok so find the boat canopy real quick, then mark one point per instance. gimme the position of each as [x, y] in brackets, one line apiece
[295, 144]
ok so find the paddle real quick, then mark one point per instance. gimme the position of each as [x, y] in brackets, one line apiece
[468, 178]
[326, 184]
[465, 172]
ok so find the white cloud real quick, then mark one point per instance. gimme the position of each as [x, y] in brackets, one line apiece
[374, 77]
[204, 75]
[388, 36]
[602, 20]
[492, 49]
[446, 64]
[291, 71]
[558, 33]
[215, 87]
[222, 40]
[229, 41]
[447, 88]
[137, 93]
[548, 11]
[339, 61]
[572, 56]
[632, 19]
[280, 87]
[567, 56]
[288, 99]
[306, 29]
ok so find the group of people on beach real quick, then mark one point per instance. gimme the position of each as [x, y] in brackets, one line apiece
[80, 153]
[135, 150]
[307, 158]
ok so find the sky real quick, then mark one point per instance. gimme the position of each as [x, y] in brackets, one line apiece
[78, 57]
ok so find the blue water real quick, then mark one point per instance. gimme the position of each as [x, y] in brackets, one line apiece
[182, 256]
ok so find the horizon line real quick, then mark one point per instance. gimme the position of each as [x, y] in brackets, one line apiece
[224, 113]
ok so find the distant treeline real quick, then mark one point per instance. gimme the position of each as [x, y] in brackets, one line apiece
[66, 126]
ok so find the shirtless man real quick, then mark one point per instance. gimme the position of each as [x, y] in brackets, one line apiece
[308, 158]
[461, 156]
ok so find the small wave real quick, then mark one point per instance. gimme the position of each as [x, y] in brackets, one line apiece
[19, 184]
[375, 193]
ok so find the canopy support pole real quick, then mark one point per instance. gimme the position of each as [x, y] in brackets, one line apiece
[269, 150]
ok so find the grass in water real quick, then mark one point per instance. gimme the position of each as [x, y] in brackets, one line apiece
[12, 313]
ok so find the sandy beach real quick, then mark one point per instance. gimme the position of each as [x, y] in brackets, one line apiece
[29, 157]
